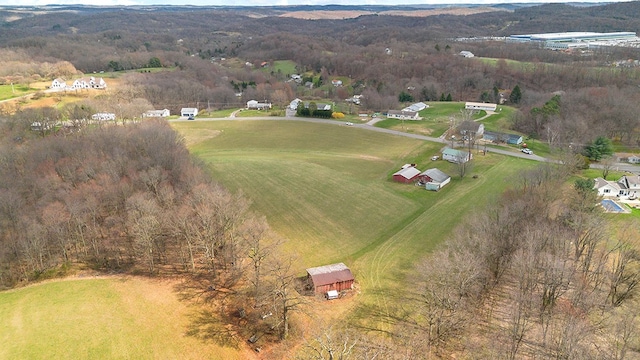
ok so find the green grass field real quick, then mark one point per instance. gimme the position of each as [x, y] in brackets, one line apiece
[15, 90]
[328, 190]
[286, 67]
[113, 318]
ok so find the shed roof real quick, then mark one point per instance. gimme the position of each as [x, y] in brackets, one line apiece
[330, 274]
[436, 175]
[408, 172]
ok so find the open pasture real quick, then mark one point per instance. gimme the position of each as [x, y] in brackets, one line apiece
[328, 190]
[104, 318]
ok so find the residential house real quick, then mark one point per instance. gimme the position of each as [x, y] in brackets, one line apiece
[255, 105]
[469, 129]
[480, 106]
[434, 179]
[336, 82]
[403, 115]
[297, 78]
[633, 159]
[407, 174]
[294, 104]
[456, 156]
[157, 113]
[354, 99]
[627, 187]
[58, 84]
[188, 112]
[89, 83]
[498, 137]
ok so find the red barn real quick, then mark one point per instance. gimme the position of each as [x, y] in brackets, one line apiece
[407, 174]
[330, 277]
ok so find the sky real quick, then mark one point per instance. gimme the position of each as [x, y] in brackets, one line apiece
[269, 2]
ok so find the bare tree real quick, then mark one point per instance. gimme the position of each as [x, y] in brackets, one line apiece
[286, 298]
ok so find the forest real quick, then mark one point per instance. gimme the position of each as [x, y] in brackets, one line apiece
[541, 269]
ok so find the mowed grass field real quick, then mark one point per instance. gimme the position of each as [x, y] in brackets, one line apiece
[328, 190]
[104, 318]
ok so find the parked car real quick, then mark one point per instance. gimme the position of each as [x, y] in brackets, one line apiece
[527, 151]
[349, 123]
[191, 118]
[435, 157]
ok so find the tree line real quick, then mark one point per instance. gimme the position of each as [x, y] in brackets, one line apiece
[131, 199]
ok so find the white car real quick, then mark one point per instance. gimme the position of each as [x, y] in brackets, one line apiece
[527, 151]
[349, 123]
[435, 157]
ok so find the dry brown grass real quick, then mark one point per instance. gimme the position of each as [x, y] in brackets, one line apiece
[350, 14]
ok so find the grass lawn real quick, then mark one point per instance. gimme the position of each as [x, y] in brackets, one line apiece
[327, 189]
[110, 318]
[15, 90]
[216, 113]
[283, 66]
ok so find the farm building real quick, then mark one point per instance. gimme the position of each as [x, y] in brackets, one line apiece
[434, 179]
[419, 106]
[480, 106]
[456, 156]
[330, 277]
[403, 115]
[497, 137]
[188, 112]
[407, 174]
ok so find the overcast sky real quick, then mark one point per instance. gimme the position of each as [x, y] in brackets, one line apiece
[262, 2]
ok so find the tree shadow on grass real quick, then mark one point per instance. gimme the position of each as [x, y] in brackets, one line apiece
[207, 325]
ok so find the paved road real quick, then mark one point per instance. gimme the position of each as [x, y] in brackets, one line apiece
[617, 166]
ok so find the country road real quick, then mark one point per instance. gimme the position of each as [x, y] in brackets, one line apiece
[617, 167]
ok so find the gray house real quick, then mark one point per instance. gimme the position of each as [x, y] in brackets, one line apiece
[498, 137]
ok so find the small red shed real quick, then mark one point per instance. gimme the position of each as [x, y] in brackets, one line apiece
[330, 277]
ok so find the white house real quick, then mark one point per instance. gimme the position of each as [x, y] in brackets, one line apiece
[58, 84]
[89, 83]
[188, 112]
[480, 106]
[403, 115]
[294, 104]
[633, 159]
[456, 156]
[157, 113]
[627, 186]
[103, 116]
[253, 104]
[336, 82]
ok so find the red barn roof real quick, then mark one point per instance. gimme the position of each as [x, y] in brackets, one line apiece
[330, 274]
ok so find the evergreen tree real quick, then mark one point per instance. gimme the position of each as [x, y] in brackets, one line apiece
[449, 98]
[601, 147]
[516, 95]
[442, 98]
